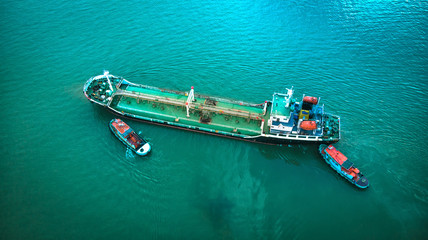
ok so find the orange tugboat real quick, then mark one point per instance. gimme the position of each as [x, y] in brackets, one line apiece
[342, 165]
[131, 139]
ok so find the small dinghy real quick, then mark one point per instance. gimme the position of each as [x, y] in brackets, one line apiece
[129, 137]
[342, 165]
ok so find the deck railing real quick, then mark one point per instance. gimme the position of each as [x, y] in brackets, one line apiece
[192, 105]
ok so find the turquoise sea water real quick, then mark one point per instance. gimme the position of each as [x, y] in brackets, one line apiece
[63, 175]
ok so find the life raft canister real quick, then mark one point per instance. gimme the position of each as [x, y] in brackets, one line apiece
[312, 100]
[308, 125]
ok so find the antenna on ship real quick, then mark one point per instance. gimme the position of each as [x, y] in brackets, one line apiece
[106, 73]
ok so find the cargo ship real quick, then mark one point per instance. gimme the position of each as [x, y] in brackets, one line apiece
[282, 120]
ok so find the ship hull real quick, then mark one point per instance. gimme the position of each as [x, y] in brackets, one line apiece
[362, 181]
[272, 122]
[254, 139]
[143, 147]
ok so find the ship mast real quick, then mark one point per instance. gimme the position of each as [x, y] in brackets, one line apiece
[108, 80]
[190, 99]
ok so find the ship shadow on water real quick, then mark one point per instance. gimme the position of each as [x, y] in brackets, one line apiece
[102, 115]
[215, 207]
[290, 154]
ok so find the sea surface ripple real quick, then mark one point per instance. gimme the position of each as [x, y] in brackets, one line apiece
[65, 176]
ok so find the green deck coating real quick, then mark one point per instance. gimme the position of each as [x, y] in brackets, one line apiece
[199, 100]
[178, 114]
[206, 113]
[278, 107]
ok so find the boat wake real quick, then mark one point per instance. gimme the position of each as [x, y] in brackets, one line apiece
[135, 172]
[129, 154]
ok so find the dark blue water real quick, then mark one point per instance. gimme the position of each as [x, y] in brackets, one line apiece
[63, 175]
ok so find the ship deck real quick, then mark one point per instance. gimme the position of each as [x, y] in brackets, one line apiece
[226, 116]
[279, 106]
[212, 114]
